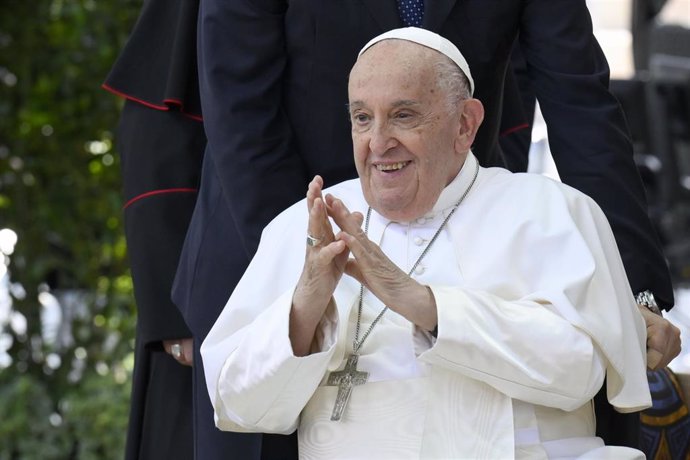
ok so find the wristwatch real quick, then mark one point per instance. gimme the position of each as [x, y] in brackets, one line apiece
[646, 299]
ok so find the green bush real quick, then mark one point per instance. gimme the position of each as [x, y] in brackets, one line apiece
[65, 395]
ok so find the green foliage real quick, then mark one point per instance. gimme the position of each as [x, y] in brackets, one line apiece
[88, 424]
[26, 428]
[60, 192]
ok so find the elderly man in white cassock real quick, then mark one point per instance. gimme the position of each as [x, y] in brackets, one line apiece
[442, 309]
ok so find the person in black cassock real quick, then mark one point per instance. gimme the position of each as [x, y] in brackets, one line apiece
[160, 140]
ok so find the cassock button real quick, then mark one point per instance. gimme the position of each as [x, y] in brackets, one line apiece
[419, 270]
[418, 240]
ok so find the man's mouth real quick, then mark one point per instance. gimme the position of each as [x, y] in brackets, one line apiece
[392, 166]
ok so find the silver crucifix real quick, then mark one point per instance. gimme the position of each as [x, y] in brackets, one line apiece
[345, 380]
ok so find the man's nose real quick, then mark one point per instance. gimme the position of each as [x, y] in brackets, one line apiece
[382, 139]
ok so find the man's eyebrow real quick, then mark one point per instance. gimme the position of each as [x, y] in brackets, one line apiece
[397, 104]
[405, 103]
[354, 105]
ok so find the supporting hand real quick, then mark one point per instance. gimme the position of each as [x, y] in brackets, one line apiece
[663, 340]
[180, 349]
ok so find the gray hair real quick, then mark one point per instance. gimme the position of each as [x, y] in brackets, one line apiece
[452, 80]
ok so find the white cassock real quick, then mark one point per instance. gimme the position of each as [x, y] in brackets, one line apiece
[534, 310]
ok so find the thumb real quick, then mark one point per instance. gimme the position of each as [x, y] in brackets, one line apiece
[654, 358]
[352, 269]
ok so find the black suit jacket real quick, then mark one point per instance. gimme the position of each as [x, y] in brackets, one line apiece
[273, 80]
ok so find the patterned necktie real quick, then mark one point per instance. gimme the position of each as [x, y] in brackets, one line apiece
[411, 12]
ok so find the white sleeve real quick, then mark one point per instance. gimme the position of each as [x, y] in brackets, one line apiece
[523, 349]
[263, 386]
[550, 312]
[254, 381]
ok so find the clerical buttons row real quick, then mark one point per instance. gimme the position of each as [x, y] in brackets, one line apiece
[419, 241]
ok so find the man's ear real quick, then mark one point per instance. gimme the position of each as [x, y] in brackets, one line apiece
[471, 118]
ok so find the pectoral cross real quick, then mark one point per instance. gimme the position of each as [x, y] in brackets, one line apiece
[345, 380]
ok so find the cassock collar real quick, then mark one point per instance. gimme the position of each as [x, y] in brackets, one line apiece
[453, 191]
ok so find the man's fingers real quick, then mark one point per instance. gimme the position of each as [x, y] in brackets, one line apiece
[663, 340]
[182, 350]
[313, 227]
[654, 359]
[666, 341]
[352, 269]
[359, 218]
[350, 222]
[188, 351]
[314, 191]
[330, 251]
[358, 250]
[319, 230]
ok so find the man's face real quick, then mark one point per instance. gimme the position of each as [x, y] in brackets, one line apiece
[403, 131]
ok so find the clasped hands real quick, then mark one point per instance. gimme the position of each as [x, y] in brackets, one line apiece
[328, 259]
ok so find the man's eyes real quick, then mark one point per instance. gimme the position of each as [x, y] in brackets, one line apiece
[363, 118]
[360, 117]
[403, 115]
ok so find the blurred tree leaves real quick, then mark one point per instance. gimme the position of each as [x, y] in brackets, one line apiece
[64, 397]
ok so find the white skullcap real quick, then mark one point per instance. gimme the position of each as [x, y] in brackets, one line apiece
[430, 40]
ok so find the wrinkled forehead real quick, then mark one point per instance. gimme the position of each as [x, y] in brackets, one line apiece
[392, 57]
